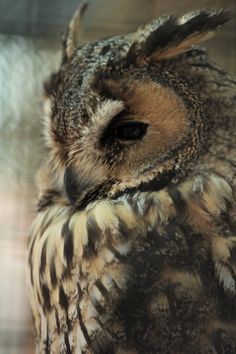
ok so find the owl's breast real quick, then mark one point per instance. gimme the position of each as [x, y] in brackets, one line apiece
[152, 272]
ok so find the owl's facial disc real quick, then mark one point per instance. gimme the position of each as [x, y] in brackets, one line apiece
[146, 134]
[139, 138]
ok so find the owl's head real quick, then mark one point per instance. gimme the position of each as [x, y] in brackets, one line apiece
[122, 113]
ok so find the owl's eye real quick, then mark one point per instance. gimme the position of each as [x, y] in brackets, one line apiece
[122, 128]
[130, 130]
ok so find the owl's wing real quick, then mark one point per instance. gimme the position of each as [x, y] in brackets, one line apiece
[183, 294]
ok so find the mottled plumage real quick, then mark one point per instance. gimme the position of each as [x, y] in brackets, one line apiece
[133, 247]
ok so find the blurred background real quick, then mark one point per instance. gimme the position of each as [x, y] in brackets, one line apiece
[30, 38]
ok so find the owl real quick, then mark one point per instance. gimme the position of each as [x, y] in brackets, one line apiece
[132, 250]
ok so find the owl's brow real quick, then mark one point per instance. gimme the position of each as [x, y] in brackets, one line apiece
[109, 87]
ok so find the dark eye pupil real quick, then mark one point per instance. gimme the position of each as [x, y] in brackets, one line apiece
[121, 128]
[130, 130]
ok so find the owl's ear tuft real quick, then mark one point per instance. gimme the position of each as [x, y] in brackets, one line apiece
[169, 36]
[71, 39]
